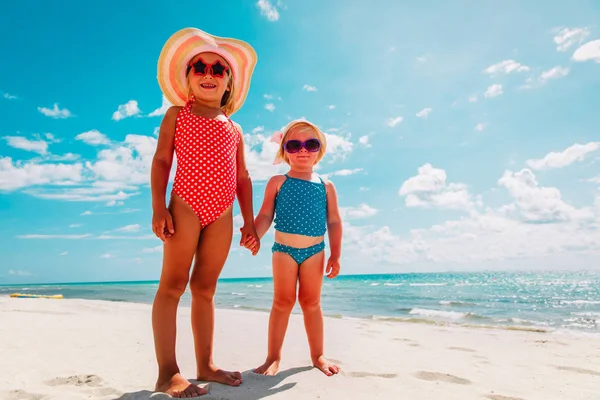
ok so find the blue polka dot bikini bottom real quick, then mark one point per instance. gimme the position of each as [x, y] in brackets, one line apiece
[299, 254]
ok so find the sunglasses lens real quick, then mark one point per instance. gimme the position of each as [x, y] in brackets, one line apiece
[293, 146]
[218, 69]
[312, 145]
[199, 68]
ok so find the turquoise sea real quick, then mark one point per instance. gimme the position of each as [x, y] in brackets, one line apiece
[548, 301]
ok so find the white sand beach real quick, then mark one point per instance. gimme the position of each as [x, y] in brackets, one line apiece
[79, 349]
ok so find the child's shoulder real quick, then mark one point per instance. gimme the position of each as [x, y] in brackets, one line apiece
[277, 179]
[173, 111]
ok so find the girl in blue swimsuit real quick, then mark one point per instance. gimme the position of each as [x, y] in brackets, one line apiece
[304, 207]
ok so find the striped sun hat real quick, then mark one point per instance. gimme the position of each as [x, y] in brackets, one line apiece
[184, 45]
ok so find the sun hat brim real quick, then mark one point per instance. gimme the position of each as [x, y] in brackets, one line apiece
[184, 44]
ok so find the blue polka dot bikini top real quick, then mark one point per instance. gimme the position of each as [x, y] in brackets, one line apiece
[301, 207]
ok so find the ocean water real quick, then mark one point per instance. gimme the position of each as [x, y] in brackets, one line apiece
[546, 302]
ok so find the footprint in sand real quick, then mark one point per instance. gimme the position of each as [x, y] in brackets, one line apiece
[440, 377]
[462, 349]
[22, 395]
[76, 380]
[369, 374]
[500, 397]
[579, 370]
[414, 345]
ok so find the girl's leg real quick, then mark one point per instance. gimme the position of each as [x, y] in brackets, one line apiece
[309, 297]
[285, 279]
[211, 254]
[177, 260]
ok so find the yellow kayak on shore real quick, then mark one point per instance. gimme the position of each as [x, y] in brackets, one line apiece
[36, 296]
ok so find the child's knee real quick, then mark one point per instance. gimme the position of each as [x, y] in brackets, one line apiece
[174, 287]
[309, 303]
[202, 289]
[284, 303]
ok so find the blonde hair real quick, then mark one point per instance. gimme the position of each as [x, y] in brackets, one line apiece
[228, 99]
[302, 126]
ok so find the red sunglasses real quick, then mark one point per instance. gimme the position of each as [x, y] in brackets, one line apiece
[217, 69]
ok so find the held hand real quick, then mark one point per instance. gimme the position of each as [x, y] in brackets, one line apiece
[162, 224]
[333, 267]
[250, 239]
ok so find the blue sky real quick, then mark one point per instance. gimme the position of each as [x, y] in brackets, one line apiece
[461, 137]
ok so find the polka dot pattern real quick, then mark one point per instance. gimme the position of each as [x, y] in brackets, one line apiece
[206, 163]
[301, 207]
[299, 254]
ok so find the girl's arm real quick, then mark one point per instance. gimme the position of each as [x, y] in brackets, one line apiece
[267, 211]
[334, 222]
[334, 226]
[244, 186]
[162, 224]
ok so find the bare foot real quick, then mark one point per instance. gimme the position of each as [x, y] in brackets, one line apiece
[325, 366]
[179, 387]
[214, 374]
[270, 367]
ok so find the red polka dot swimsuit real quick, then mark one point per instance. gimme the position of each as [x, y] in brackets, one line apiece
[206, 163]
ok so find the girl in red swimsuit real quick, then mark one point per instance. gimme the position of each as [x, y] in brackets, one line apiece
[207, 79]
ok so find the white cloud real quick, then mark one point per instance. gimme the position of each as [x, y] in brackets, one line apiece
[422, 59]
[51, 138]
[338, 146]
[493, 91]
[126, 110]
[163, 108]
[64, 253]
[268, 96]
[538, 204]
[9, 96]
[343, 172]
[537, 224]
[309, 88]
[270, 107]
[75, 226]
[107, 255]
[424, 113]
[156, 249]
[19, 142]
[55, 112]
[93, 138]
[362, 211]
[112, 178]
[331, 107]
[128, 164]
[64, 157]
[480, 127]
[19, 175]
[129, 228]
[18, 272]
[69, 237]
[473, 99]
[554, 73]
[430, 189]
[567, 37]
[588, 52]
[392, 122]
[258, 129]
[364, 141]
[268, 10]
[576, 152]
[506, 67]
